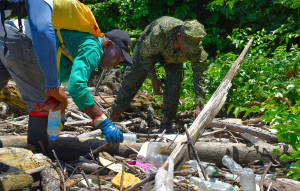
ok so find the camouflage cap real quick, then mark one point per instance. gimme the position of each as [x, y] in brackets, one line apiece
[193, 33]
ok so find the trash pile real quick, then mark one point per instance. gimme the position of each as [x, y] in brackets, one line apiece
[138, 163]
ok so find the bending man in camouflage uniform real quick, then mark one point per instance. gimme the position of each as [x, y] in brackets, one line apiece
[171, 42]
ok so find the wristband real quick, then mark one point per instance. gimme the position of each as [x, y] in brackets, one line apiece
[98, 119]
[54, 88]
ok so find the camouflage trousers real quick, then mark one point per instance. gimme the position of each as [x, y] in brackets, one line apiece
[133, 79]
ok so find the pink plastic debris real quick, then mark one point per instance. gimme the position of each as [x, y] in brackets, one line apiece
[144, 166]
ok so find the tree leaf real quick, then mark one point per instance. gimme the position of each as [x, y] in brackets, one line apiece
[293, 140]
[236, 111]
[295, 176]
[282, 157]
[229, 108]
[275, 152]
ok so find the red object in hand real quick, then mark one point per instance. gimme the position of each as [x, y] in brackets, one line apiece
[46, 104]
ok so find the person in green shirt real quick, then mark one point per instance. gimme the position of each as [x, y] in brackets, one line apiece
[171, 42]
[88, 52]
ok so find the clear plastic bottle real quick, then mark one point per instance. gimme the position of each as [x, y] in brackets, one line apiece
[247, 179]
[153, 148]
[158, 160]
[129, 138]
[53, 124]
[231, 164]
[234, 177]
[211, 170]
[215, 186]
[258, 177]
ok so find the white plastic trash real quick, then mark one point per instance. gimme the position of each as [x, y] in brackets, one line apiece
[141, 156]
[231, 164]
[153, 148]
[247, 179]
[129, 138]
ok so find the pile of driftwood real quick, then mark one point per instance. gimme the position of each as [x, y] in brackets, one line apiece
[82, 160]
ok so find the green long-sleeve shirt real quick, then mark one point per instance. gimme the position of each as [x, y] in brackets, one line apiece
[157, 42]
[87, 53]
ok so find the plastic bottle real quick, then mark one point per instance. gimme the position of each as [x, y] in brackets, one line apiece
[158, 160]
[129, 138]
[231, 164]
[215, 186]
[211, 170]
[234, 177]
[53, 124]
[151, 170]
[141, 156]
[153, 148]
[46, 104]
[247, 179]
[258, 177]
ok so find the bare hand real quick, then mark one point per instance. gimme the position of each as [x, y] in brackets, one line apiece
[61, 96]
[197, 111]
[156, 84]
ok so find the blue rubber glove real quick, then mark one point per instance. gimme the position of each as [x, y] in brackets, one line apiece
[112, 133]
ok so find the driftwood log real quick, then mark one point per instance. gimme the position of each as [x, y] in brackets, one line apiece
[281, 184]
[181, 152]
[50, 179]
[69, 148]
[255, 131]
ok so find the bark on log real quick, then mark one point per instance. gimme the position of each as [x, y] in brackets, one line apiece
[255, 131]
[50, 179]
[181, 152]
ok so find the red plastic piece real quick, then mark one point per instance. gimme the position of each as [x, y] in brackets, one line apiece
[40, 114]
[46, 104]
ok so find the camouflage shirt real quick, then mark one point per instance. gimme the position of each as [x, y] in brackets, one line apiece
[156, 45]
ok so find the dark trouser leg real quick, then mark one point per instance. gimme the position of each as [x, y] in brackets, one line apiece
[4, 75]
[174, 76]
[23, 66]
[134, 76]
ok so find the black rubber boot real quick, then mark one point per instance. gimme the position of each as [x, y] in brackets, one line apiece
[37, 131]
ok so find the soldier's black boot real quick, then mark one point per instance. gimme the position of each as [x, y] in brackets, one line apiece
[165, 123]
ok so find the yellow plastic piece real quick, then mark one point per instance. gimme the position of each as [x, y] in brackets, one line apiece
[128, 180]
[61, 126]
